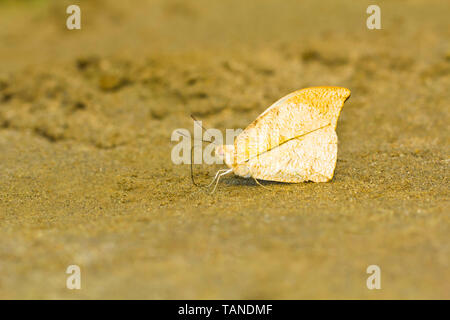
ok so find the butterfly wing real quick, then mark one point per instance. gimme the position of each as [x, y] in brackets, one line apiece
[308, 158]
[292, 116]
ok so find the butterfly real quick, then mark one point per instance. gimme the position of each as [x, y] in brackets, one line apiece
[293, 141]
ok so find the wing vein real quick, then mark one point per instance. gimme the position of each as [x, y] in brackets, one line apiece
[296, 137]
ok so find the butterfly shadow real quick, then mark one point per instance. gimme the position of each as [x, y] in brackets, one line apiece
[250, 182]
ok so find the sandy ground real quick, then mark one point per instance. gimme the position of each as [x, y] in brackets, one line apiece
[86, 176]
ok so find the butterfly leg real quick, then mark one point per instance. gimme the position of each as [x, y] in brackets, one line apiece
[218, 178]
[217, 173]
[257, 182]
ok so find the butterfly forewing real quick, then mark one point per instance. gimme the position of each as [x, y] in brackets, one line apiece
[295, 115]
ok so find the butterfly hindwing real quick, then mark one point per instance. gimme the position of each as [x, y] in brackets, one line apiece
[308, 158]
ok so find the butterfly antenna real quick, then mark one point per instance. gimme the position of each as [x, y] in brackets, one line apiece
[192, 159]
[198, 123]
[192, 172]
[181, 133]
[192, 169]
[192, 153]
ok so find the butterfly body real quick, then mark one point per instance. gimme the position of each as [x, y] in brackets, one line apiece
[293, 141]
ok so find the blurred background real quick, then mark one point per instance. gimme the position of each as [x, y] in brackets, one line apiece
[86, 176]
